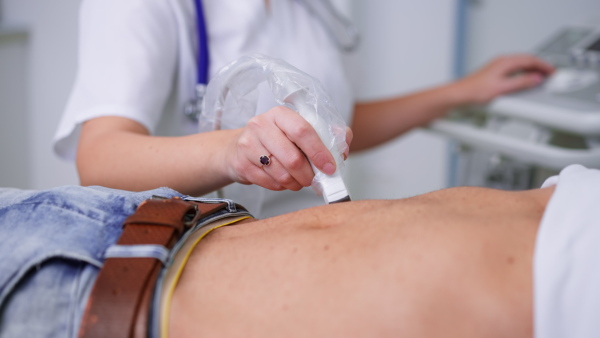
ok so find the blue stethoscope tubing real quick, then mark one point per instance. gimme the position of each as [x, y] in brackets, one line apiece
[203, 58]
[193, 108]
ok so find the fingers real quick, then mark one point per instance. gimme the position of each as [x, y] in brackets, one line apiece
[269, 173]
[289, 142]
[255, 174]
[520, 63]
[349, 138]
[304, 136]
[281, 176]
[256, 164]
[289, 165]
[522, 81]
[535, 64]
[504, 75]
[521, 71]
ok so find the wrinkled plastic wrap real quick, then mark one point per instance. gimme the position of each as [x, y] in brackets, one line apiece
[231, 99]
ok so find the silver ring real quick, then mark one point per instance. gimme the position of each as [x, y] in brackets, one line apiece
[265, 160]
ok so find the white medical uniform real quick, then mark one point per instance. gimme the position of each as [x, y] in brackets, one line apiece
[137, 59]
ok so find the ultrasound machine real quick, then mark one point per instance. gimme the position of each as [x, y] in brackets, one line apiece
[518, 140]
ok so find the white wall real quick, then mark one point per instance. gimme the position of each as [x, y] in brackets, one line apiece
[508, 26]
[406, 45]
[51, 57]
[15, 170]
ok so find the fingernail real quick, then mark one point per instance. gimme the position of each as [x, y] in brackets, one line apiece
[329, 168]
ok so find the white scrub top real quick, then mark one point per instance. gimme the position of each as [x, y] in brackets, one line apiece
[137, 59]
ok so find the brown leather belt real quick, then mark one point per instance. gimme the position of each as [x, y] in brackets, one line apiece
[119, 303]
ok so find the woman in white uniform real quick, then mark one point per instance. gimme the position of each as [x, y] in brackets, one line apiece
[125, 126]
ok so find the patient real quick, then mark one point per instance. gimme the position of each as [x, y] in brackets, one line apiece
[455, 263]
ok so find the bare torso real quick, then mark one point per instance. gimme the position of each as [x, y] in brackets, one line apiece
[453, 263]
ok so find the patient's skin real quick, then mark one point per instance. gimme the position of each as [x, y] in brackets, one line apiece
[453, 263]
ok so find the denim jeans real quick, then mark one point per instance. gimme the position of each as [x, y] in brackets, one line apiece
[52, 245]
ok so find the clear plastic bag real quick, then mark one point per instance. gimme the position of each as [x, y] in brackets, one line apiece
[231, 97]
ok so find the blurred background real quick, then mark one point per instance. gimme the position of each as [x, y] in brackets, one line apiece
[405, 46]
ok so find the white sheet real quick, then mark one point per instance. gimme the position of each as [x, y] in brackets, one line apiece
[567, 257]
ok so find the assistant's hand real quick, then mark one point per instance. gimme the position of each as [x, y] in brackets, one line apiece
[503, 75]
[289, 140]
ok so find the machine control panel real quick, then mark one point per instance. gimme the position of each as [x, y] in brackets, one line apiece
[566, 80]
[573, 47]
[570, 98]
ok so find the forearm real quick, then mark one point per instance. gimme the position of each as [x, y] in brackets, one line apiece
[136, 161]
[380, 121]
[118, 152]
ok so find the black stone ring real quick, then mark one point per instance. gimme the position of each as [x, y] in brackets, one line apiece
[265, 160]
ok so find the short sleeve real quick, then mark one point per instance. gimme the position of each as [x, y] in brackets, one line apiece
[127, 66]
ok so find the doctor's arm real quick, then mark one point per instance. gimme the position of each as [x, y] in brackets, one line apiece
[119, 153]
[379, 121]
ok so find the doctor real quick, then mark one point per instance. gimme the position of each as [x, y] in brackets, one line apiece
[139, 62]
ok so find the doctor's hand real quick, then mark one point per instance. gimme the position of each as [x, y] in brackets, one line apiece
[288, 141]
[503, 75]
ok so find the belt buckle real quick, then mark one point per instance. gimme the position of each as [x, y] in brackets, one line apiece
[191, 217]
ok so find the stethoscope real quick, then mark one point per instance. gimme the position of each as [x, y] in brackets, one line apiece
[340, 30]
[193, 108]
